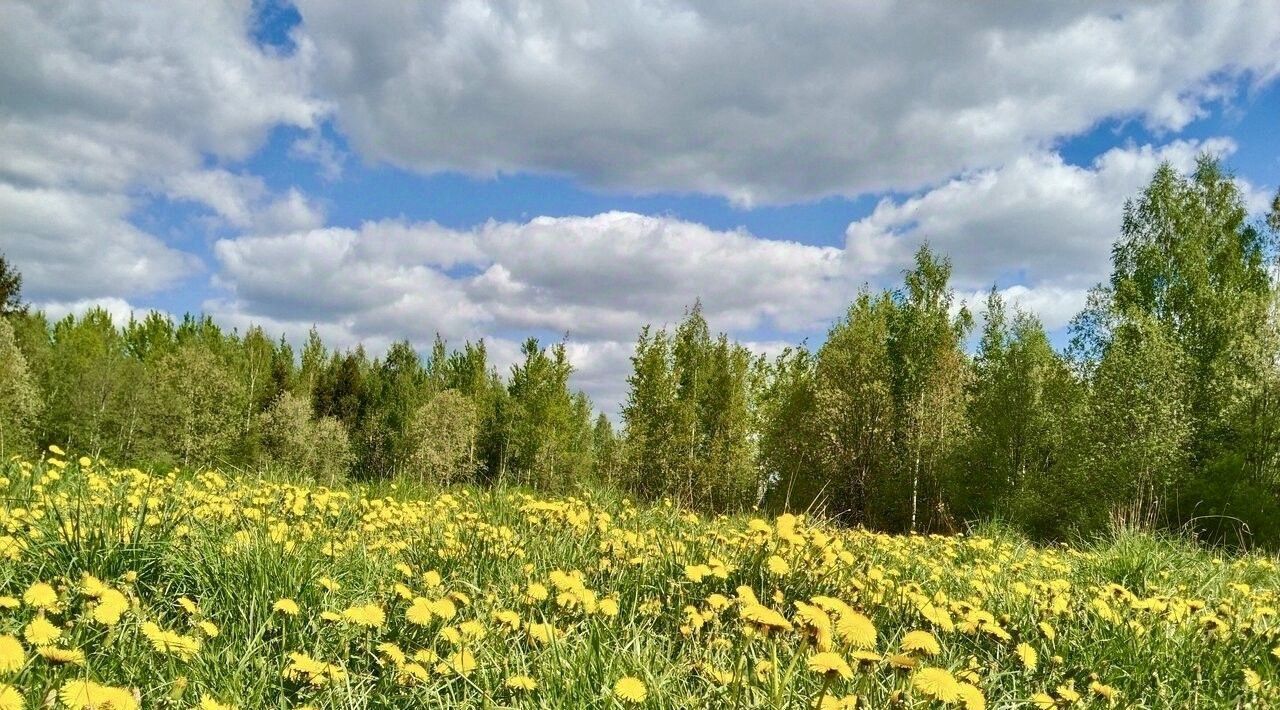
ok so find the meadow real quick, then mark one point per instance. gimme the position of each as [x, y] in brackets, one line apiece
[121, 589]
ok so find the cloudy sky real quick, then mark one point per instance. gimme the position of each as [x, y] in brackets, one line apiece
[499, 169]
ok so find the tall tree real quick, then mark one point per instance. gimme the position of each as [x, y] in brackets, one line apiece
[442, 437]
[19, 396]
[925, 347]
[549, 426]
[10, 289]
[1021, 401]
[650, 417]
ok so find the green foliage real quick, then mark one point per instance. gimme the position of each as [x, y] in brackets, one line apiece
[19, 398]
[294, 440]
[690, 418]
[442, 436]
[10, 289]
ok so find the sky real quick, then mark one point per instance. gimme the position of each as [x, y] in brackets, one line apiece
[570, 170]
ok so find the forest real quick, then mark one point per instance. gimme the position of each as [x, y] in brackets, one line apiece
[913, 414]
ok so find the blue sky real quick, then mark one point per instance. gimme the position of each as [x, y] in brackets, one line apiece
[392, 171]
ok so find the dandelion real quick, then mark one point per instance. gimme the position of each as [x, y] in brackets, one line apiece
[629, 689]
[857, 630]
[419, 612]
[286, 606]
[462, 662]
[12, 655]
[110, 607]
[921, 642]
[40, 596]
[366, 615]
[87, 695]
[830, 664]
[936, 683]
[778, 566]
[1028, 656]
[59, 656]
[171, 642]
[10, 698]
[40, 632]
[521, 683]
[1104, 691]
[971, 697]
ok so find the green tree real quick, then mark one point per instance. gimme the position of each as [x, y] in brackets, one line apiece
[929, 373]
[1140, 427]
[650, 418]
[790, 438]
[1022, 399]
[199, 405]
[549, 427]
[442, 433]
[10, 289]
[295, 441]
[19, 396]
[854, 413]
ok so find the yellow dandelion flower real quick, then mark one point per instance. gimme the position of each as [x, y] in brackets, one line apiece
[777, 565]
[520, 682]
[87, 695]
[463, 662]
[1104, 691]
[936, 683]
[12, 655]
[921, 642]
[1043, 701]
[1030, 659]
[630, 689]
[208, 702]
[40, 596]
[40, 632]
[59, 656]
[857, 630]
[366, 615]
[419, 612]
[830, 664]
[971, 697]
[10, 698]
[286, 606]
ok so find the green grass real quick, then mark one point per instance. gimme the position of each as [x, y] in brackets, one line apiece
[236, 544]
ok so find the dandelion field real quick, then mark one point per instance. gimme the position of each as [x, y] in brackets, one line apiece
[122, 589]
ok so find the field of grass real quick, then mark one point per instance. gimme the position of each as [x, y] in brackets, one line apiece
[120, 589]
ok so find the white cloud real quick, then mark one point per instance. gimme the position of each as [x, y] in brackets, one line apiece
[103, 101]
[243, 201]
[121, 311]
[71, 245]
[1037, 222]
[597, 279]
[768, 101]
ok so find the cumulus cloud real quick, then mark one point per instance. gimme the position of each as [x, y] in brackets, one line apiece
[1038, 226]
[242, 201]
[121, 311]
[596, 279]
[107, 100]
[768, 101]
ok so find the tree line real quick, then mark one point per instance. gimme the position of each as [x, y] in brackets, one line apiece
[1163, 410]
